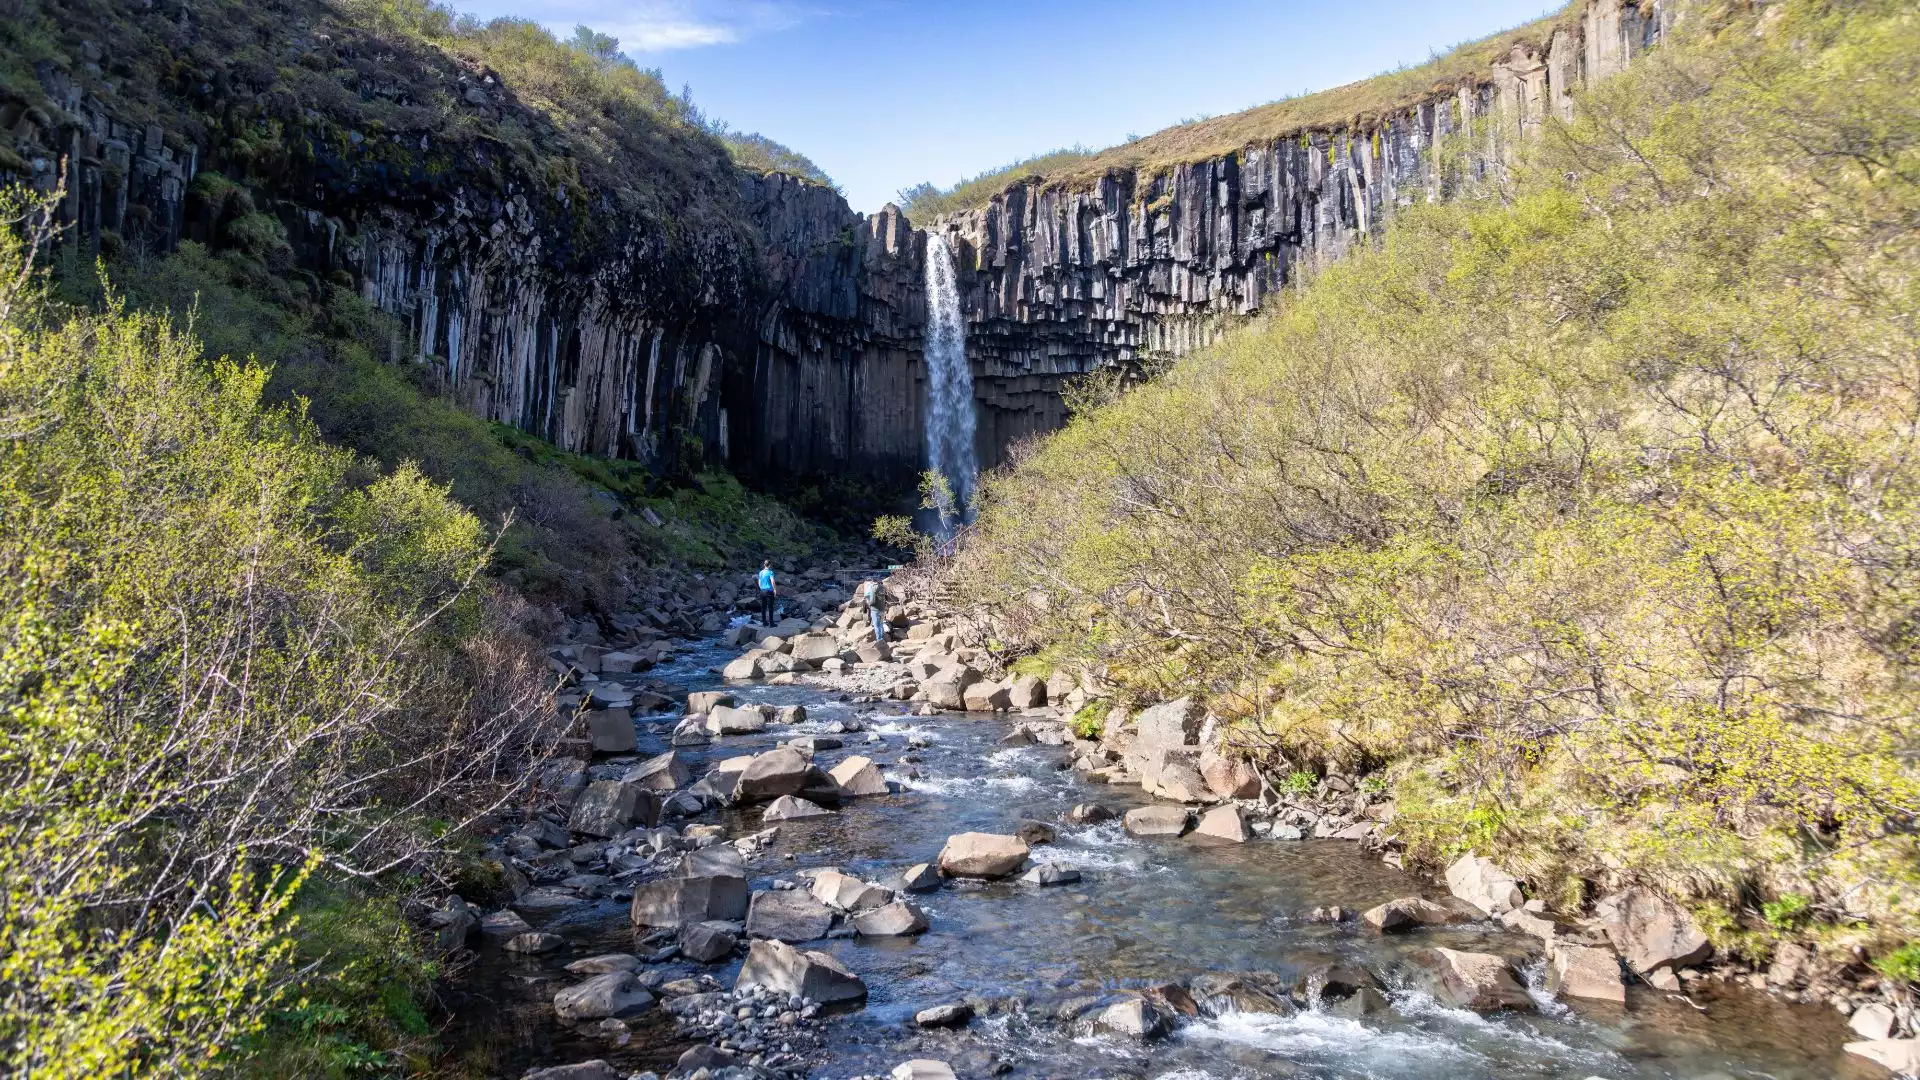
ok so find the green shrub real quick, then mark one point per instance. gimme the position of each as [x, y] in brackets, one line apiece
[1589, 500]
[234, 661]
[1902, 963]
[1299, 783]
[1787, 912]
[1090, 721]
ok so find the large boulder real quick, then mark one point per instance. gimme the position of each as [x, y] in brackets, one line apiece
[858, 777]
[920, 877]
[815, 649]
[706, 943]
[897, 919]
[1135, 1018]
[1469, 980]
[775, 773]
[1027, 692]
[614, 995]
[1484, 884]
[1228, 778]
[1411, 912]
[848, 893]
[1171, 773]
[609, 730]
[813, 976]
[1221, 825]
[746, 666]
[704, 700]
[709, 885]
[610, 807]
[1089, 814]
[986, 697]
[1651, 932]
[1171, 724]
[1159, 820]
[1584, 971]
[982, 855]
[947, 688]
[788, 915]
[1901, 1056]
[664, 772]
[743, 720]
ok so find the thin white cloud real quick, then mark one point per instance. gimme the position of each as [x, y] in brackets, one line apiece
[665, 25]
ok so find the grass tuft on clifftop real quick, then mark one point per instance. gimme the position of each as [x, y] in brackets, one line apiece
[1586, 509]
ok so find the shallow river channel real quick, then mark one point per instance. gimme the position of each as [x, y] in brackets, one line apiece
[1144, 912]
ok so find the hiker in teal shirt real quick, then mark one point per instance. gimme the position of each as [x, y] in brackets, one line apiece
[768, 590]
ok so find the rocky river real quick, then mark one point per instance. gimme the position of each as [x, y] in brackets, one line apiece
[812, 932]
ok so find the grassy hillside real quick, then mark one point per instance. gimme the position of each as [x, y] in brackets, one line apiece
[1583, 512]
[1356, 104]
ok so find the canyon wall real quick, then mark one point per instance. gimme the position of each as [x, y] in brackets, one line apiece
[1144, 265]
[761, 324]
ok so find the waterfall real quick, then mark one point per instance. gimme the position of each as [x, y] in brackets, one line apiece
[949, 380]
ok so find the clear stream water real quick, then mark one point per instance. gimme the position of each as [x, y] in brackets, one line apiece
[1146, 911]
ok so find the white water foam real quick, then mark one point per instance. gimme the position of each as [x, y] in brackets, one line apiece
[1319, 1037]
[948, 785]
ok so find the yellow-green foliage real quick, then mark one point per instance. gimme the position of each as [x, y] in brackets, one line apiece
[230, 656]
[1591, 497]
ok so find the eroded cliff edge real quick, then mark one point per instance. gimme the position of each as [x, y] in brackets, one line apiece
[723, 317]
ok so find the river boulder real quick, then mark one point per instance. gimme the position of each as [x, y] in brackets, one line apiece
[1585, 971]
[982, 855]
[742, 720]
[793, 808]
[1171, 724]
[1482, 883]
[1409, 913]
[708, 885]
[898, 919]
[745, 667]
[1159, 820]
[1135, 1018]
[986, 697]
[609, 808]
[814, 976]
[704, 700]
[609, 730]
[1228, 778]
[1651, 932]
[663, 772]
[1089, 814]
[788, 915]
[773, 774]
[1470, 980]
[706, 943]
[1221, 825]
[848, 893]
[859, 777]
[614, 995]
[920, 877]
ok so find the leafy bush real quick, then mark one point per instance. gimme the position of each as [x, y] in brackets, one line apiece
[1588, 495]
[1787, 912]
[1299, 783]
[1090, 721]
[234, 661]
[1902, 963]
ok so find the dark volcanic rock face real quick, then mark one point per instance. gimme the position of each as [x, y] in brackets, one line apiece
[757, 322]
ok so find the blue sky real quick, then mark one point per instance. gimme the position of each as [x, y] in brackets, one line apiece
[883, 94]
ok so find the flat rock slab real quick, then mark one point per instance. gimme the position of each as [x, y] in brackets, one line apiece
[982, 855]
[790, 915]
[1411, 913]
[814, 976]
[1584, 971]
[898, 919]
[614, 995]
[1156, 821]
[793, 808]
[1048, 874]
[1469, 980]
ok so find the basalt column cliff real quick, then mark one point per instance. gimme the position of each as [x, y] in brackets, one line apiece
[727, 318]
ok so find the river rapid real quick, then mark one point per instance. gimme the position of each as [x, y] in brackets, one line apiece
[1146, 911]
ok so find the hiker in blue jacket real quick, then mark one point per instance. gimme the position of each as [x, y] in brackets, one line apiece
[768, 590]
[876, 610]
